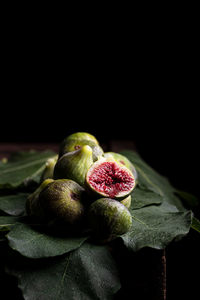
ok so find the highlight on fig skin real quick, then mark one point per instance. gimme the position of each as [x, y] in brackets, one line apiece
[77, 140]
[59, 202]
[33, 207]
[110, 179]
[79, 136]
[49, 168]
[108, 218]
[74, 165]
[126, 201]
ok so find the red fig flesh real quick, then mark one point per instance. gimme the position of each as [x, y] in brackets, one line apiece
[109, 179]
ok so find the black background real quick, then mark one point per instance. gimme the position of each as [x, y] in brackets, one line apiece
[141, 86]
[157, 110]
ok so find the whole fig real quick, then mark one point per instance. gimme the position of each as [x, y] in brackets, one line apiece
[74, 165]
[108, 218]
[33, 207]
[73, 145]
[77, 140]
[49, 168]
[126, 201]
[59, 203]
[81, 136]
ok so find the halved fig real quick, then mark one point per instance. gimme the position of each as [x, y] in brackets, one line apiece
[109, 179]
[119, 158]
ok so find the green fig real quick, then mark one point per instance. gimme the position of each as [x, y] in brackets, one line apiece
[59, 203]
[75, 139]
[108, 218]
[81, 136]
[32, 204]
[126, 201]
[122, 160]
[109, 179]
[49, 168]
[72, 145]
[74, 165]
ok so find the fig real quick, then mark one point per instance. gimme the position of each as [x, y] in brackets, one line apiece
[78, 140]
[108, 218]
[110, 179]
[49, 168]
[81, 136]
[74, 165]
[122, 160]
[32, 204]
[73, 145]
[126, 201]
[59, 203]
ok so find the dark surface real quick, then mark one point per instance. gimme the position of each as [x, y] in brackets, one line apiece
[142, 274]
[8, 284]
[183, 266]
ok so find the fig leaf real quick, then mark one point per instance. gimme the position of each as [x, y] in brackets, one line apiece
[7, 222]
[141, 198]
[151, 180]
[23, 168]
[13, 204]
[156, 226]
[88, 272]
[34, 243]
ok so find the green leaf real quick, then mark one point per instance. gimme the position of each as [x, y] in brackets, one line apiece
[8, 222]
[88, 273]
[151, 180]
[195, 224]
[156, 226]
[33, 243]
[13, 204]
[23, 168]
[188, 198]
[147, 176]
[141, 198]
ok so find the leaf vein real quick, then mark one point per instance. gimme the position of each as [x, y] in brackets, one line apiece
[63, 277]
[22, 166]
[141, 222]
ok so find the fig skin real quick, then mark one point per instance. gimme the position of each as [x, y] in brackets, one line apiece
[119, 158]
[93, 189]
[74, 165]
[108, 218]
[77, 140]
[33, 207]
[73, 145]
[49, 168]
[59, 203]
[81, 136]
[126, 201]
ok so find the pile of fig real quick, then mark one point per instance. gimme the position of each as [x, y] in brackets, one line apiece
[83, 186]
